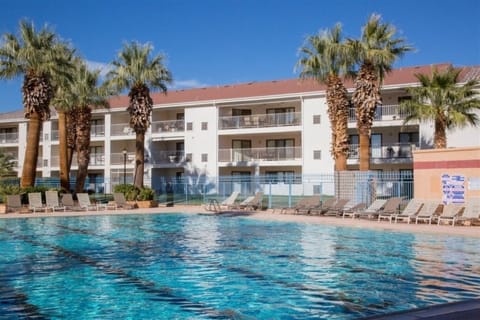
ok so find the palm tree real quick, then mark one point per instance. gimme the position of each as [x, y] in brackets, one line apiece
[137, 71]
[441, 100]
[79, 98]
[326, 58]
[41, 58]
[375, 52]
[6, 164]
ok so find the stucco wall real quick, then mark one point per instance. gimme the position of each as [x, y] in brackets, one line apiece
[431, 165]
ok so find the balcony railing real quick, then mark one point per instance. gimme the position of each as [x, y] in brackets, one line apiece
[165, 157]
[382, 113]
[11, 137]
[264, 154]
[119, 158]
[260, 121]
[55, 161]
[95, 131]
[122, 129]
[390, 151]
[168, 126]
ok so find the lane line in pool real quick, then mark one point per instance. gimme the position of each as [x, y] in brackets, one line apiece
[164, 293]
[19, 301]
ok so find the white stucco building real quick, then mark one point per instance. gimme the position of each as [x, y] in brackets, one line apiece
[274, 128]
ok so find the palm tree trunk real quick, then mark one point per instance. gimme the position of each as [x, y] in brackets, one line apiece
[364, 152]
[440, 136]
[83, 146]
[139, 159]
[31, 151]
[62, 147]
[71, 125]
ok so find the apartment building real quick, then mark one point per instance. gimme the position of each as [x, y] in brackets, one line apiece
[277, 129]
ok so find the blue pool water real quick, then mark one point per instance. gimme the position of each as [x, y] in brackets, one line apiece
[178, 266]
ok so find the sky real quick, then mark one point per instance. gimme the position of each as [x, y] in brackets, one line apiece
[217, 42]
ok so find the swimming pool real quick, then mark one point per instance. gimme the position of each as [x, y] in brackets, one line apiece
[181, 266]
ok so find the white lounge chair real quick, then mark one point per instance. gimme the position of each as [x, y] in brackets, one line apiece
[213, 205]
[35, 202]
[14, 203]
[84, 202]
[371, 211]
[52, 201]
[121, 202]
[450, 213]
[410, 212]
[472, 211]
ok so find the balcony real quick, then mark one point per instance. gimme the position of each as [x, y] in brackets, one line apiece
[260, 121]
[118, 158]
[382, 113]
[11, 137]
[391, 153]
[260, 154]
[168, 157]
[95, 131]
[122, 129]
[168, 126]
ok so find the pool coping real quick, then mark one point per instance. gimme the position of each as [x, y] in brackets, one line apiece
[465, 310]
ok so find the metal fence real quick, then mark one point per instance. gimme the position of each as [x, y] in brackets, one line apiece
[280, 190]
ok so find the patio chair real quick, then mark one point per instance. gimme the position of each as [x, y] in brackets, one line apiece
[371, 210]
[51, 198]
[390, 208]
[334, 210]
[250, 203]
[325, 205]
[410, 212]
[67, 201]
[428, 212]
[84, 202]
[14, 203]
[302, 204]
[35, 202]
[450, 213]
[213, 205]
[471, 212]
[121, 202]
[350, 212]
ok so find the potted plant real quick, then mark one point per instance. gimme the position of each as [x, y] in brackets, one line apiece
[146, 198]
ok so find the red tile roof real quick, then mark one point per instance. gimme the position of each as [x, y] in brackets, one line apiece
[276, 87]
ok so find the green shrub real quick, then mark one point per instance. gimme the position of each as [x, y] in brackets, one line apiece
[129, 190]
[146, 194]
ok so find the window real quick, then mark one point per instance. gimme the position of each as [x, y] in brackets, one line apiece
[280, 149]
[317, 154]
[317, 189]
[189, 126]
[204, 157]
[288, 177]
[281, 116]
[188, 157]
[97, 156]
[404, 98]
[204, 126]
[241, 150]
[353, 146]
[316, 119]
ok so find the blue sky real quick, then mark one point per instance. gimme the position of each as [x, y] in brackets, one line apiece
[214, 42]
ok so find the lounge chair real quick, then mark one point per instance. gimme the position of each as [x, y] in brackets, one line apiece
[410, 212]
[428, 212]
[335, 210]
[350, 212]
[323, 205]
[121, 202]
[450, 213]
[371, 211]
[35, 202]
[14, 203]
[305, 202]
[84, 202]
[213, 205]
[52, 201]
[471, 212]
[390, 208]
[254, 202]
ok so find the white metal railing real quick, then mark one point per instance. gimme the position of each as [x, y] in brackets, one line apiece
[164, 157]
[387, 151]
[168, 126]
[55, 161]
[120, 158]
[264, 154]
[122, 129]
[10, 137]
[97, 130]
[260, 120]
[382, 113]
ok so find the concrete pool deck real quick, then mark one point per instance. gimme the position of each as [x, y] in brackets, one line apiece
[467, 231]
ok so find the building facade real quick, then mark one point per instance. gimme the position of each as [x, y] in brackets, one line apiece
[277, 129]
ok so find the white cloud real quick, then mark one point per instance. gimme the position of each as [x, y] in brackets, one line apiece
[191, 83]
[103, 67]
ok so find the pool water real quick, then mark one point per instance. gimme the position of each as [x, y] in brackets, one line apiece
[179, 266]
